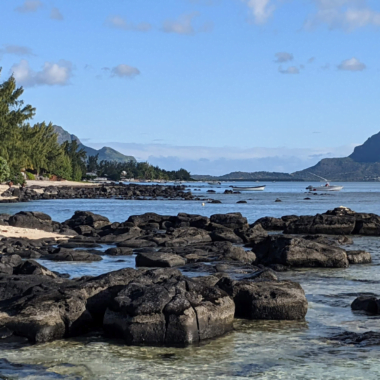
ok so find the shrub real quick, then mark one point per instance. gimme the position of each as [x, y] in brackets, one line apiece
[4, 169]
[30, 176]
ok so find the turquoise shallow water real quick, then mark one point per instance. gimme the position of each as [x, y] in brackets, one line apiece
[255, 350]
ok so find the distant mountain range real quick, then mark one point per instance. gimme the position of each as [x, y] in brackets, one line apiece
[106, 153]
[362, 165]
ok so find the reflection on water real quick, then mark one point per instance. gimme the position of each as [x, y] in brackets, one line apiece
[256, 349]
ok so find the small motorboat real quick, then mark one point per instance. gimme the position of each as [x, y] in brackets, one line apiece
[326, 187]
[215, 183]
[251, 188]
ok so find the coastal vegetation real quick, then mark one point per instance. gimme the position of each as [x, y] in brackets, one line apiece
[35, 149]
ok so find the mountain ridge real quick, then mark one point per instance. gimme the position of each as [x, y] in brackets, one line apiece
[105, 153]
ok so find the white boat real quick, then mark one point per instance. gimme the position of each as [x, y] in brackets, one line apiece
[252, 188]
[215, 183]
[325, 187]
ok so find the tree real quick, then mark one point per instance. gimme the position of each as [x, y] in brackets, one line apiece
[92, 163]
[77, 157]
[4, 170]
[13, 114]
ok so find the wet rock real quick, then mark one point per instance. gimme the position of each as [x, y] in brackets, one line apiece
[369, 304]
[158, 259]
[32, 219]
[322, 224]
[225, 235]
[298, 252]
[119, 251]
[171, 311]
[240, 202]
[137, 243]
[64, 254]
[369, 338]
[359, 257]
[86, 218]
[253, 234]
[269, 300]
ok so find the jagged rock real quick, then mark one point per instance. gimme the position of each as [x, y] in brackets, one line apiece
[137, 243]
[298, 252]
[359, 257]
[86, 218]
[225, 235]
[175, 310]
[269, 300]
[158, 259]
[231, 220]
[31, 267]
[253, 234]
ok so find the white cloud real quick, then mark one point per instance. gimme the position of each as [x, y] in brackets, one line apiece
[261, 9]
[184, 25]
[124, 71]
[120, 23]
[289, 70]
[282, 57]
[29, 6]
[52, 74]
[352, 64]
[346, 14]
[55, 14]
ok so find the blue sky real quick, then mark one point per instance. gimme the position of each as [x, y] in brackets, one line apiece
[209, 85]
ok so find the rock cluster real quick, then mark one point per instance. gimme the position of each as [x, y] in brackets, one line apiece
[120, 191]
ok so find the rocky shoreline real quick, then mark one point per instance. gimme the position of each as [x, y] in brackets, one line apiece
[156, 303]
[104, 191]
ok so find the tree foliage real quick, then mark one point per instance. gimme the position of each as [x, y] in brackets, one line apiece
[141, 170]
[4, 170]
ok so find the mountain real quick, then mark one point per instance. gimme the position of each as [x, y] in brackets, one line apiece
[106, 153]
[362, 165]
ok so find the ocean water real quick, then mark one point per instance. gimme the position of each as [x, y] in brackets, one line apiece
[256, 349]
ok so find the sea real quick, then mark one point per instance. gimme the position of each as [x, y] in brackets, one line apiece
[255, 349]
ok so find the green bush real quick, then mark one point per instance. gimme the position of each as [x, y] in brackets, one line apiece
[4, 170]
[30, 176]
[16, 177]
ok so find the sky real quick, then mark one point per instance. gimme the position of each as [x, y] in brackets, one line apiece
[213, 86]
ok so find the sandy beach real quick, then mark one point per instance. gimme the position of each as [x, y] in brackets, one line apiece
[28, 233]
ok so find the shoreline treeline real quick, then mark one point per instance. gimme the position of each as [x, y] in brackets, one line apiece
[35, 149]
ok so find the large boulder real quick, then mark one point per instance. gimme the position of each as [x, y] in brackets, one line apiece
[32, 219]
[186, 236]
[322, 224]
[175, 310]
[86, 218]
[269, 300]
[65, 254]
[298, 252]
[232, 220]
[359, 257]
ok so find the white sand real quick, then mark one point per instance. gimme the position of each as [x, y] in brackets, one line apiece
[29, 233]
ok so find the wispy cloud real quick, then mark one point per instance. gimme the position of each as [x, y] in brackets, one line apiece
[55, 14]
[344, 14]
[289, 70]
[16, 50]
[124, 71]
[184, 25]
[51, 74]
[29, 6]
[120, 23]
[282, 57]
[352, 64]
[261, 10]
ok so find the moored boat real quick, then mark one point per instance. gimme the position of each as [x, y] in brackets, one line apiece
[250, 188]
